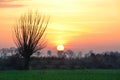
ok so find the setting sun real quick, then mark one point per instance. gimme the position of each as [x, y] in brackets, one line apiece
[60, 48]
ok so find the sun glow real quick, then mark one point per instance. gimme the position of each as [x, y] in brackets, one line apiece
[77, 24]
[60, 48]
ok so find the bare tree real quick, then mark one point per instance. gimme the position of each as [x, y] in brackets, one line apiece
[70, 53]
[29, 34]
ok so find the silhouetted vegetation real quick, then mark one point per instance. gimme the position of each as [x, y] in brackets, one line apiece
[106, 60]
[28, 35]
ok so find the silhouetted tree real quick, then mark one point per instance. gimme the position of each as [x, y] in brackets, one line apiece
[38, 53]
[49, 53]
[12, 50]
[70, 53]
[79, 55]
[28, 34]
[4, 52]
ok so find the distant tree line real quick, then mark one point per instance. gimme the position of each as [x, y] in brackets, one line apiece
[69, 60]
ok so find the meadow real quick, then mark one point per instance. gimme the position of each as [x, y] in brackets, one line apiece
[60, 75]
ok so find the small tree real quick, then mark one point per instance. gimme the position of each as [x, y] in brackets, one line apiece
[49, 53]
[70, 53]
[28, 34]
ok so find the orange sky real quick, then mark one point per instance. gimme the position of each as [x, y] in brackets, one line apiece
[77, 24]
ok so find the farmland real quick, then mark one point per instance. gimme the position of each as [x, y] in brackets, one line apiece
[60, 75]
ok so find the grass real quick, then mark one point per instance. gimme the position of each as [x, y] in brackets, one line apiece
[61, 75]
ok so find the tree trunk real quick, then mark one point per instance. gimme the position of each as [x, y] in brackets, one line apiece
[26, 63]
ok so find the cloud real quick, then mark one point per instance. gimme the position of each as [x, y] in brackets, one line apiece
[8, 4]
[6, 0]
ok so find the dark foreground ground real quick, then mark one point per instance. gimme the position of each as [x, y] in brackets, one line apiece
[61, 75]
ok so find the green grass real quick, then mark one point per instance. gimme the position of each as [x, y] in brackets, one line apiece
[61, 75]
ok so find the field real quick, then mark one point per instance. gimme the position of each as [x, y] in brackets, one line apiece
[61, 75]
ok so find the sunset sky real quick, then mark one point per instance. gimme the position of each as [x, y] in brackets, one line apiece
[80, 25]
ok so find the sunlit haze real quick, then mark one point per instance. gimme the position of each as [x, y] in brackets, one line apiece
[80, 25]
[60, 48]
